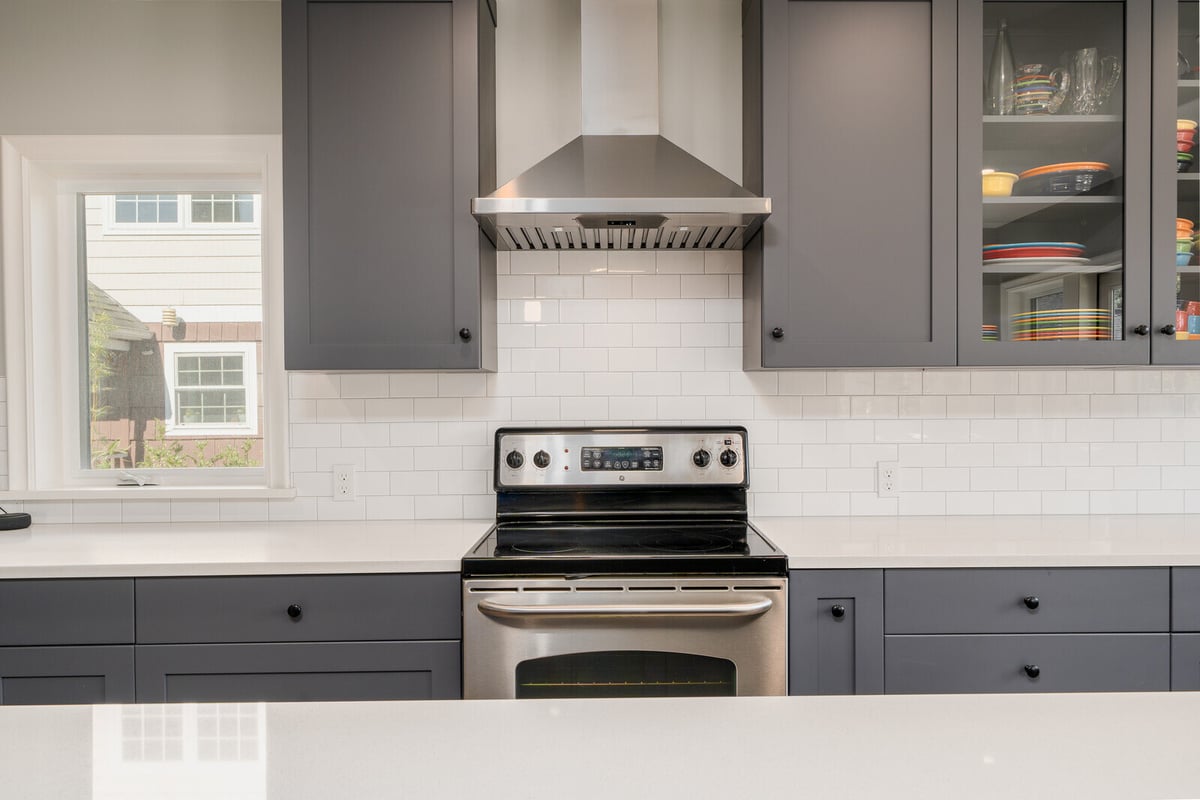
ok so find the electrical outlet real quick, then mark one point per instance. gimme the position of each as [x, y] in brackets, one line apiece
[343, 482]
[887, 479]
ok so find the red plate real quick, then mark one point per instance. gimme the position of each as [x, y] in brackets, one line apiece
[1031, 252]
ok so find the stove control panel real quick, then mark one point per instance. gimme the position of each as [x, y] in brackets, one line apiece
[620, 457]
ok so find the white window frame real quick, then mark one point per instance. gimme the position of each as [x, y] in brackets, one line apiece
[184, 225]
[41, 179]
[246, 350]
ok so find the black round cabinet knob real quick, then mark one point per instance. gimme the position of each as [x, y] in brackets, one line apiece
[838, 611]
[514, 460]
[464, 334]
[541, 459]
[777, 333]
[294, 611]
[1167, 330]
[1033, 670]
[701, 458]
[1031, 602]
[728, 458]
[1141, 330]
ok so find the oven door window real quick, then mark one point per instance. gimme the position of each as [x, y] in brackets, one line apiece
[626, 673]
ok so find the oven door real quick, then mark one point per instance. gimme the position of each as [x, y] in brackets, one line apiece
[627, 637]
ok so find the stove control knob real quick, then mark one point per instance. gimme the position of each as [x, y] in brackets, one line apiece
[701, 458]
[728, 458]
[541, 459]
[515, 460]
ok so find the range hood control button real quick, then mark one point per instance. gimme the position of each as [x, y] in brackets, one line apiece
[728, 458]
[541, 459]
[701, 458]
[515, 460]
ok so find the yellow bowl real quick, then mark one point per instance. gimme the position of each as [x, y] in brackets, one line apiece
[998, 184]
[1185, 125]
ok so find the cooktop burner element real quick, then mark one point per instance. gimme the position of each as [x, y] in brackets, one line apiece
[684, 542]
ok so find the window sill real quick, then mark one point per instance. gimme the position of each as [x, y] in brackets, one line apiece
[152, 493]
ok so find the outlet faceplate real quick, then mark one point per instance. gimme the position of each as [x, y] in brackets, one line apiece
[887, 479]
[343, 482]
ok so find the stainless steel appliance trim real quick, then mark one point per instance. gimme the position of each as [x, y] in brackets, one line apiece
[752, 609]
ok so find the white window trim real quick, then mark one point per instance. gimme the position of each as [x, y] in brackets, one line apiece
[111, 227]
[40, 180]
[249, 382]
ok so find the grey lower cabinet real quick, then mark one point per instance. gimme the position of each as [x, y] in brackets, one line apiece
[293, 637]
[1185, 628]
[856, 265]
[66, 641]
[388, 132]
[835, 631]
[1027, 630]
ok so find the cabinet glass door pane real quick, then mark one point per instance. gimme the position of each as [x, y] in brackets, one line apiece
[1187, 180]
[1053, 258]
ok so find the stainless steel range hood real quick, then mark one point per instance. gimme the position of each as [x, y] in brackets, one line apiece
[620, 192]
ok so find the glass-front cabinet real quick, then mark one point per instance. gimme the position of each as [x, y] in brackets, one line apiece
[1054, 182]
[1176, 203]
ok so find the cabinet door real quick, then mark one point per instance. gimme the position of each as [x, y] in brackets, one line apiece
[385, 268]
[66, 675]
[1176, 183]
[855, 266]
[1054, 267]
[312, 671]
[1119, 662]
[835, 631]
[1185, 662]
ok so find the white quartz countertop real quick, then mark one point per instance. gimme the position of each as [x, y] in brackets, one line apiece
[993, 541]
[264, 548]
[1095, 746]
[236, 548]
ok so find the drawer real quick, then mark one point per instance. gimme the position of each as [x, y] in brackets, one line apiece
[972, 601]
[1185, 661]
[1123, 662]
[1185, 599]
[66, 675]
[294, 608]
[66, 612]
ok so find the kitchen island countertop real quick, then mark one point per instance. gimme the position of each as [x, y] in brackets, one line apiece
[87, 550]
[900, 746]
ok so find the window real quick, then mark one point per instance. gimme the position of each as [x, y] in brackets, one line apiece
[146, 354]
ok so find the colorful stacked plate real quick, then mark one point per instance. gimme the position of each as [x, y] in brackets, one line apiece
[1062, 324]
[991, 333]
[1068, 177]
[1047, 253]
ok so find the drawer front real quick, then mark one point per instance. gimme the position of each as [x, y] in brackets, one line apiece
[1027, 600]
[66, 675]
[307, 672]
[295, 608]
[1185, 599]
[66, 612]
[1130, 662]
[1185, 661]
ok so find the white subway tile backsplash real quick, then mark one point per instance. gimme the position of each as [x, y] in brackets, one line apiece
[362, 384]
[1083, 381]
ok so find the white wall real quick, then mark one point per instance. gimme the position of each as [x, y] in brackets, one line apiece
[139, 66]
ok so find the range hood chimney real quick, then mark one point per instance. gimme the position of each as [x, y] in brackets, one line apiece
[621, 184]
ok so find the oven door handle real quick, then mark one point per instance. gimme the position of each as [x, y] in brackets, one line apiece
[753, 608]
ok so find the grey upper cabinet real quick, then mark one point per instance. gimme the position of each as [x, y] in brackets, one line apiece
[388, 132]
[1175, 284]
[856, 265]
[1056, 267]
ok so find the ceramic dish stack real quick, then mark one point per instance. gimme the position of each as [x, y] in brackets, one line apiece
[1035, 254]
[1185, 144]
[1062, 324]
[991, 333]
[1184, 241]
[1034, 94]
[1068, 177]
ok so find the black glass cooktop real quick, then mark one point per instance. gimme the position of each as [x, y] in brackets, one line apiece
[628, 548]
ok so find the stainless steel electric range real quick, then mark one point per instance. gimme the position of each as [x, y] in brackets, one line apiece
[623, 563]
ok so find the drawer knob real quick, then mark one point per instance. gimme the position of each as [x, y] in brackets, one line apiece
[1032, 602]
[294, 611]
[1033, 670]
[838, 611]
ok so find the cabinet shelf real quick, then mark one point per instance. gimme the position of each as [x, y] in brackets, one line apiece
[1042, 131]
[1000, 211]
[1189, 187]
[1192, 85]
[1072, 269]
